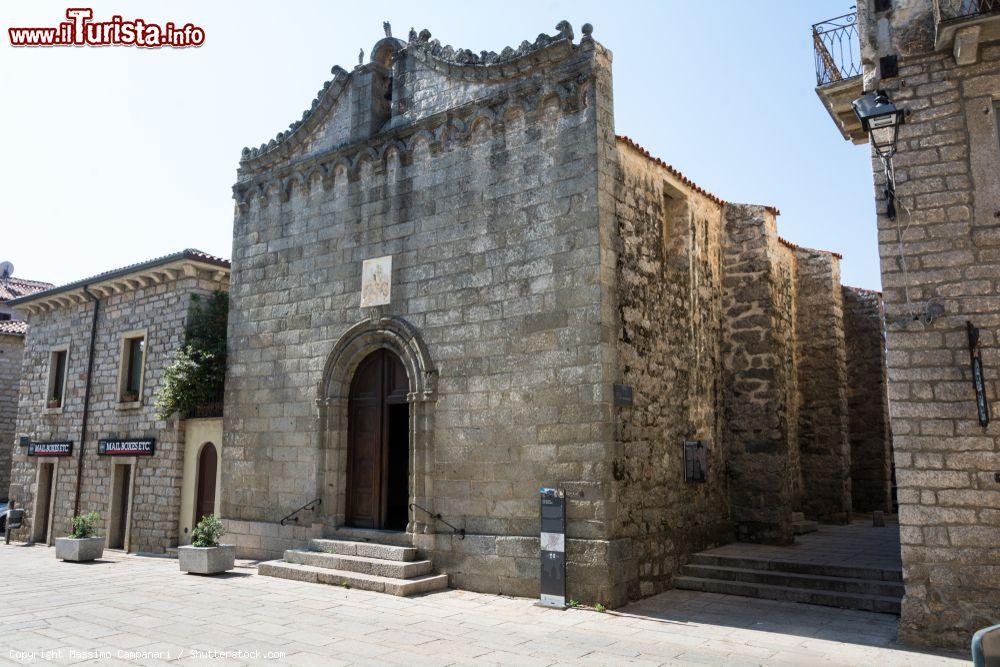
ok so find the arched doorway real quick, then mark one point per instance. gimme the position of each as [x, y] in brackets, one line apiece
[378, 444]
[208, 463]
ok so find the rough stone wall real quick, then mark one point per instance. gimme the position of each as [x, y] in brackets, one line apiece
[161, 310]
[759, 361]
[11, 349]
[948, 180]
[824, 450]
[491, 217]
[867, 401]
[670, 310]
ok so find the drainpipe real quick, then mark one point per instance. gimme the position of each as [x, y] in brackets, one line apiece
[86, 399]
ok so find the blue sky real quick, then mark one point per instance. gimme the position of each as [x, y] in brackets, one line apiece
[115, 155]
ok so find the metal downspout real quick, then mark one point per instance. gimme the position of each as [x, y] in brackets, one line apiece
[86, 399]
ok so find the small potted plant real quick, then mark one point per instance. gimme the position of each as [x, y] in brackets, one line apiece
[205, 555]
[54, 402]
[81, 546]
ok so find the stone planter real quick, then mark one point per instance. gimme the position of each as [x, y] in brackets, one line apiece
[79, 550]
[207, 560]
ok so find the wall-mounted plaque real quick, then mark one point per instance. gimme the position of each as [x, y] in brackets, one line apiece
[23, 440]
[623, 395]
[61, 448]
[136, 447]
[695, 461]
[376, 281]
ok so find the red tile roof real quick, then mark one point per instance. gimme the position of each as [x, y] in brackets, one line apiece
[684, 179]
[13, 327]
[188, 253]
[13, 287]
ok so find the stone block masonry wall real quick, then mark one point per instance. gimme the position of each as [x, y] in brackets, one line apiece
[491, 216]
[867, 401]
[11, 349]
[824, 450]
[161, 310]
[670, 309]
[948, 185]
[759, 360]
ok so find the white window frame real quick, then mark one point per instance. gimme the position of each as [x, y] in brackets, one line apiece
[50, 379]
[123, 367]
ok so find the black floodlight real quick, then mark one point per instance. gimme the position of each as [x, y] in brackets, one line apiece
[880, 119]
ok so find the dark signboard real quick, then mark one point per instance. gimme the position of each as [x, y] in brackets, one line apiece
[62, 448]
[623, 395]
[23, 440]
[553, 548]
[695, 461]
[134, 447]
[976, 361]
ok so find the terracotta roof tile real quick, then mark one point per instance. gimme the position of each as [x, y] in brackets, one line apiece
[13, 287]
[684, 179]
[13, 327]
[188, 253]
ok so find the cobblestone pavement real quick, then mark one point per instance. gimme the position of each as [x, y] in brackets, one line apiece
[134, 609]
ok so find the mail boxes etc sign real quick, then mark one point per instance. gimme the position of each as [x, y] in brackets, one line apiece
[61, 448]
[143, 447]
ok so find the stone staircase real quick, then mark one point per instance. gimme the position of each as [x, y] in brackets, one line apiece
[357, 563]
[801, 525]
[863, 588]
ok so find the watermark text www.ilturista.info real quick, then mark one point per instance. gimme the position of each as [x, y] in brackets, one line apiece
[82, 30]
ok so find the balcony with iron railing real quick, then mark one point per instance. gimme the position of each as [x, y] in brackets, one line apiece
[961, 25]
[837, 51]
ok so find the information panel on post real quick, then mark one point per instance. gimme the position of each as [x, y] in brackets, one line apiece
[553, 549]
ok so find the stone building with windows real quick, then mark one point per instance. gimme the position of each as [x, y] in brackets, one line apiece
[12, 331]
[454, 283]
[88, 436]
[939, 62]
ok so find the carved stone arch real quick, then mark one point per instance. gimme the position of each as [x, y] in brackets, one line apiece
[385, 49]
[333, 394]
[484, 118]
[393, 148]
[315, 172]
[424, 136]
[451, 132]
[290, 182]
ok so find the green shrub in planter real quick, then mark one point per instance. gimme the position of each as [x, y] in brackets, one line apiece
[205, 555]
[81, 545]
[208, 532]
[84, 525]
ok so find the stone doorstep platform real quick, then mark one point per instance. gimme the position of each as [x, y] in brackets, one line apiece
[370, 566]
[856, 566]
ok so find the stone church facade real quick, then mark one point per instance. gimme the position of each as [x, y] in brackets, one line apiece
[563, 310]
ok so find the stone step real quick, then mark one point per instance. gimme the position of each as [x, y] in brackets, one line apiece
[878, 587]
[804, 526]
[364, 549]
[822, 569]
[798, 516]
[349, 534]
[378, 566]
[368, 582]
[875, 603]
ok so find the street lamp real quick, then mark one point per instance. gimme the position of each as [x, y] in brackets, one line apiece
[881, 120]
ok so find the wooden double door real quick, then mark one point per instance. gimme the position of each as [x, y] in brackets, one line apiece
[378, 425]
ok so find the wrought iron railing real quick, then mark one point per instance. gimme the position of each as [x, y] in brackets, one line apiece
[837, 46]
[205, 411]
[947, 10]
[457, 531]
[294, 516]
